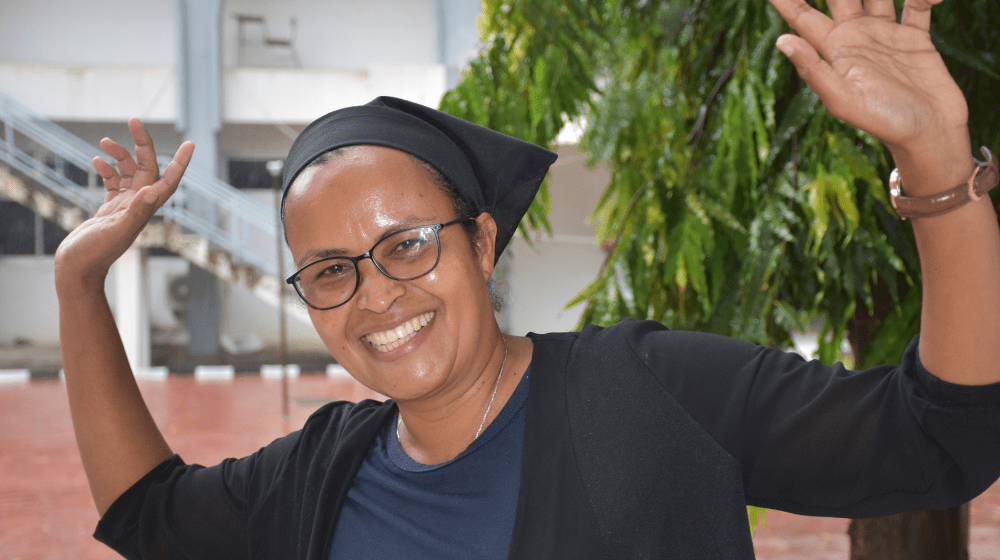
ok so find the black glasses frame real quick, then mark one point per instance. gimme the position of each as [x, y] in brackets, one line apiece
[369, 255]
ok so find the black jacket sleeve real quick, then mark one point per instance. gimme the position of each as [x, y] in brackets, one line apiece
[181, 511]
[820, 440]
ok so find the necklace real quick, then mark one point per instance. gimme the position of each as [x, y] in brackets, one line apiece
[488, 406]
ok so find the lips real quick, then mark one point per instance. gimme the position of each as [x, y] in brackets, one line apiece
[385, 341]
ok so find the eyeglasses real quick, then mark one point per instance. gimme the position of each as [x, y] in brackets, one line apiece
[403, 255]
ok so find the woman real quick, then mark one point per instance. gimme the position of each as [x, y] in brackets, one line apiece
[629, 441]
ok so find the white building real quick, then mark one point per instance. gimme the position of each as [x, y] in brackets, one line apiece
[241, 78]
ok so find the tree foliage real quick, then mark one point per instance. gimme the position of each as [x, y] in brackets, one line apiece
[737, 204]
[534, 72]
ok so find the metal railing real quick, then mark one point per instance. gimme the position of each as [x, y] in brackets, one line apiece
[232, 221]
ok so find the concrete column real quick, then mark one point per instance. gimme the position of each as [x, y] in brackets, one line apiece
[39, 234]
[457, 35]
[199, 118]
[132, 308]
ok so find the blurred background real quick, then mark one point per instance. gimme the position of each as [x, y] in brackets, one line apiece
[241, 79]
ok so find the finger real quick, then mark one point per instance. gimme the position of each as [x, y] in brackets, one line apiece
[917, 14]
[807, 21]
[143, 204]
[845, 10]
[126, 165]
[130, 218]
[112, 181]
[817, 73]
[884, 9]
[173, 173]
[147, 170]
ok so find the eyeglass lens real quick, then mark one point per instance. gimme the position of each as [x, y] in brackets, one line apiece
[404, 255]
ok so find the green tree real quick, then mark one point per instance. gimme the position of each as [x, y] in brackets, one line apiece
[737, 204]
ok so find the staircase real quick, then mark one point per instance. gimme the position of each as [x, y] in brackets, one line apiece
[43, 166]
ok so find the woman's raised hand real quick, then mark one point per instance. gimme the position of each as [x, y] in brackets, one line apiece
[134, 192]
[883, 77]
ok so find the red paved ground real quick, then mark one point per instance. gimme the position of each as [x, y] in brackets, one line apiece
[45, 506]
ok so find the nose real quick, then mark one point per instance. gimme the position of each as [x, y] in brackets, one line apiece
[376, 291]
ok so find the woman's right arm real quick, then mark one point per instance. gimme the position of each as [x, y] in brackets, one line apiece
[117, 437]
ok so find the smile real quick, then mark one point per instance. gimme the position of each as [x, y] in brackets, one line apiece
[391, 339]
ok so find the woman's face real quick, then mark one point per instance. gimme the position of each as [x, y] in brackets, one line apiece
[349, 204]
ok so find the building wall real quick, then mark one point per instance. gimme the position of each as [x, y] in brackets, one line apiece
[115, 59]
[28, 307]
[550, 271]
[337, 34]
[105, 33]
[333, 34]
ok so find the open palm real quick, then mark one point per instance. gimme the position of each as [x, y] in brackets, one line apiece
[134, 192]
[883, 77]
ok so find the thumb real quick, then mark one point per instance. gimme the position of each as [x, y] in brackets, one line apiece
[142, 206]
[816, 72]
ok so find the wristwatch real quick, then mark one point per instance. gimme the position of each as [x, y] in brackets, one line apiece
[985, 177]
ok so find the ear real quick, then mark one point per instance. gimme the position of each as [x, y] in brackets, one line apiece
[486, 243]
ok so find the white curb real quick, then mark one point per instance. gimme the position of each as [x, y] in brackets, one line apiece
[214, 373]
[273, 371]
[14, 376]
[337, 371]
[158, 373]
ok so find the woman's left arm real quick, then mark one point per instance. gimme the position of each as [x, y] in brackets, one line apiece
[887, 79]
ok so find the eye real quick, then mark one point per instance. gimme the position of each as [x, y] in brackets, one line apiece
[334, 269]
[407, 244]
[329, 271]
[411, 244]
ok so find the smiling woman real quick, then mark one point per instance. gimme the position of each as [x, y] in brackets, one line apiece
[631, 441]
[369, 202]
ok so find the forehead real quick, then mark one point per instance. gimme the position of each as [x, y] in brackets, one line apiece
[358, 196]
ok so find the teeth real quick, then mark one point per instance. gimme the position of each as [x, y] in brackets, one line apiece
[393, 338]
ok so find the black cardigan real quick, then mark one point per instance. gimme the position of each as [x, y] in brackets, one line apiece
[640, 442]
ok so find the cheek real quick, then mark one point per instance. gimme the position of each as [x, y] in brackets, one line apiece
[462, 286]
[331, 332]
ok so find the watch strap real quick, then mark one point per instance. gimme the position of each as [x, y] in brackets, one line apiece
[985, 177]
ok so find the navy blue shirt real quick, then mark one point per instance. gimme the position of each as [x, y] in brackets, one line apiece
[462, 509]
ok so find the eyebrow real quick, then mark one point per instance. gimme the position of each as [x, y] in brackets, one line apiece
[320, 254]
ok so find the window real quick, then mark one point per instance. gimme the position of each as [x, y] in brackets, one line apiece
[250, 174]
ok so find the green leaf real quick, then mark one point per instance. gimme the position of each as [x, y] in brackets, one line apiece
[895, 332]
[949, 48]
[820, 206]
[800, 110]
[756, 517]
[859, 165]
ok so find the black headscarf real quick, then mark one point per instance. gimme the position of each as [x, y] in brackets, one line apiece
[490, 171]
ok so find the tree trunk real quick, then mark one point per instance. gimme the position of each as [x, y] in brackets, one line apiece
[913, 535]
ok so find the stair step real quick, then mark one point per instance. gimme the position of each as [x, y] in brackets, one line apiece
[193, 247]
[196, 249]
[13, 187]
[70, 217]
[46, 205]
